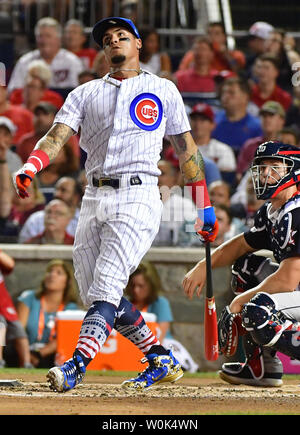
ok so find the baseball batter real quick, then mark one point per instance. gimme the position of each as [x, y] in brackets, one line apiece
[123, 118]
[266, 310]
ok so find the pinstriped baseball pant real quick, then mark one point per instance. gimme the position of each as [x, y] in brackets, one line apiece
[115, 230]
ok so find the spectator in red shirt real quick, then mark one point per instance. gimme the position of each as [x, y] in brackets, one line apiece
[21, 117]
[272, 116]
[199, 78]
[57, 218]
[11, 329]
[36, 87]
[266, 70]
[44, 114]
[224, 59]
[75, 39]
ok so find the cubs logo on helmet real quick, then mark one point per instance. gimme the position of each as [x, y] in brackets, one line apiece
[146, 111]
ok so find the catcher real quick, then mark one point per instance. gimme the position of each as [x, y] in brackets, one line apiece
[266, 309]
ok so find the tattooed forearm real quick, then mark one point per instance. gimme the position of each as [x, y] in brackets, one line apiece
[190, 158]
[54, 140]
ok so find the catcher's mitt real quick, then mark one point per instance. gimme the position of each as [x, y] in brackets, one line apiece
[229, 329]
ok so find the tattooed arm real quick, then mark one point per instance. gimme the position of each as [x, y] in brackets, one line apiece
[45, 151]
[190, 158]
[193, 170]
[54, 140]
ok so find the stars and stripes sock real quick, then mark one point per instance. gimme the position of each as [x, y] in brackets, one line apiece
[95, 329]
[131, 324]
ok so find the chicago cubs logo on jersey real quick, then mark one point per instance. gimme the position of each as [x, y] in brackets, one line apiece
[146, 111]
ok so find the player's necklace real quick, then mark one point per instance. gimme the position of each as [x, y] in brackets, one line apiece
[138, 71]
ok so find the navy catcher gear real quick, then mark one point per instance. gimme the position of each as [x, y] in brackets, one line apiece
[274, 182]
[250, 270]
[269, 327]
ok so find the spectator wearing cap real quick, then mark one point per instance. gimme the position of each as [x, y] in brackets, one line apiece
[272, 116]
[220, 78]
[266, 71]
[200, 77]
[7, 156]
[44, 114]
[202, 123]
[258, 34]
[234, 125]
[20, 117]
[75, 40]
[224, 58]
[65, 66]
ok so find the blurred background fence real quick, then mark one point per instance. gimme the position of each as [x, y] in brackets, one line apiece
[177, 21]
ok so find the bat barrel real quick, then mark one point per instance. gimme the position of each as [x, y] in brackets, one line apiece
[210, 315]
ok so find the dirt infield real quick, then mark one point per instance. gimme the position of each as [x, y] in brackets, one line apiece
[102, 395]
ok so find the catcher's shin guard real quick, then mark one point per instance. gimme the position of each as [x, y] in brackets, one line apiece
[261, 368]
[269, 327]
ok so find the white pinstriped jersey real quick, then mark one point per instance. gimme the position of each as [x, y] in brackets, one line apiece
[123, 122]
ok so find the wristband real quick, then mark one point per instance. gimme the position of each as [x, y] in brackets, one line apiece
[199, 194]
[3, 161]
[39, 159]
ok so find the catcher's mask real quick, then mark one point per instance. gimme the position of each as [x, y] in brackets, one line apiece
[269, 180]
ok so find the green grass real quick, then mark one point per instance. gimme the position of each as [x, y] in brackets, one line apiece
[201, 375]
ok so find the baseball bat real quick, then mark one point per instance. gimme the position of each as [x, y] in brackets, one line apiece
[210, 314]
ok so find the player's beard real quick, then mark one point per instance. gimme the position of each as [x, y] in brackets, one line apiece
[118, 59]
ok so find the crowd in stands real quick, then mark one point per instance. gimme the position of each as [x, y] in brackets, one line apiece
[236, 99]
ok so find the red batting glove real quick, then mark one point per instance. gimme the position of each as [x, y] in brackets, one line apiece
[22, 180]
[36, 161]
[206, 234]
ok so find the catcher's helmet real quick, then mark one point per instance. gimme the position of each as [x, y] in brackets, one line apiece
[274, 181]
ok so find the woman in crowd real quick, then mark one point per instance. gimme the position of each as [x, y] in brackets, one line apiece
[37, 310]
[143, 291]
[36, 87]
[151, 58]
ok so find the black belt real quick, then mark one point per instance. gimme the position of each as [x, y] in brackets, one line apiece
[115, 182]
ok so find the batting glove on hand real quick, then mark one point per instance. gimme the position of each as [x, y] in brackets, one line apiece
[22, 179]
[207, 228]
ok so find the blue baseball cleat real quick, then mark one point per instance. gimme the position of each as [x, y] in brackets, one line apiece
[162, 368]
[68, 375]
